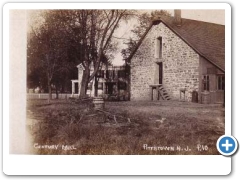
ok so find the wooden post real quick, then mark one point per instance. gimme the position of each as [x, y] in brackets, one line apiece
[73, 88]
[157, 93]
[151, 93]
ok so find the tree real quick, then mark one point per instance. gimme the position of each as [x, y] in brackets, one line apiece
[91, 32]
[139, 31]
[82, 35]
[47, 52]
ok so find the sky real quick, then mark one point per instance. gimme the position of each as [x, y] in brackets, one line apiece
[213, 16]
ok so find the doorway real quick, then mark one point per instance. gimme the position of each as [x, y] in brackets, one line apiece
[160, 64]
[75, 88]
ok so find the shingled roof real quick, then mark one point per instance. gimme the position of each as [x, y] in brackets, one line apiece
[207, 39]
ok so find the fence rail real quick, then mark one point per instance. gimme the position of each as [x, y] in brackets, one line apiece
[45, 96]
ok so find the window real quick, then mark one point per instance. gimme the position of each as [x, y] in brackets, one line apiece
[121, 74]
[221, 82]
[206, 82]
[159, 47]
[110, 74]
[110, 88]
[122, 85]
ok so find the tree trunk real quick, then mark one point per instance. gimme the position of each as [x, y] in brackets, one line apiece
[95, 87]
[63, 88]
[49, 91]
[84, 84]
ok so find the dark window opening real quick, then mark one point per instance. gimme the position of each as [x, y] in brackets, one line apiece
[110, 74]
[121, 74]
[221, 82]
[122, 86]
[159, 47]
[160, 72]
[111, 88]
[76, 88]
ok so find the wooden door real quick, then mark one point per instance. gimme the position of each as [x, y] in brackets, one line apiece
[160, 73]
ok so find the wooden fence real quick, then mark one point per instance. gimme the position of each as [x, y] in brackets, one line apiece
[45, 96]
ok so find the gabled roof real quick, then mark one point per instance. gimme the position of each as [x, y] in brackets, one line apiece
[207, 39]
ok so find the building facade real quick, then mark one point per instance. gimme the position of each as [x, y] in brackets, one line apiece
[111, 82]
[183, 57]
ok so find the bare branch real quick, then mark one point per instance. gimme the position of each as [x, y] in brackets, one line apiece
[123, 38]
[111, 33]
[107, 15]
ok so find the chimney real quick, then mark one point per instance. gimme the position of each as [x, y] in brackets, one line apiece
[177, 17]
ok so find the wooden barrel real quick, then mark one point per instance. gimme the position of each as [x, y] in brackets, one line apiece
[205, 97]
[98, 103]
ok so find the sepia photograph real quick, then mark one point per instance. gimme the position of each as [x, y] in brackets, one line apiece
[124, 81]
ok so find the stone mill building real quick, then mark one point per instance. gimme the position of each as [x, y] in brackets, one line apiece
[179, 58]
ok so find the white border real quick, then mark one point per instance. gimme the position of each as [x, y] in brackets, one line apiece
[117, 5]
[114, 165]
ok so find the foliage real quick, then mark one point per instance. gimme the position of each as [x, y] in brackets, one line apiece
[143, 22]
[48, 60]
[64, 36]
[92, 31]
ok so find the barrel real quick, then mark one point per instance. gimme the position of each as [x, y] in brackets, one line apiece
[205, 97]
[98, 103]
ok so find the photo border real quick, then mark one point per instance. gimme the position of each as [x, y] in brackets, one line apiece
[110, 164]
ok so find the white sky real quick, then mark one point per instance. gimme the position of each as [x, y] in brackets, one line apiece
[213, 16]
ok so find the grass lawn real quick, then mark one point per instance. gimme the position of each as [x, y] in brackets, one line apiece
[149, 127]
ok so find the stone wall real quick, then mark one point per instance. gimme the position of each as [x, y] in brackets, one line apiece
[180, 65]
